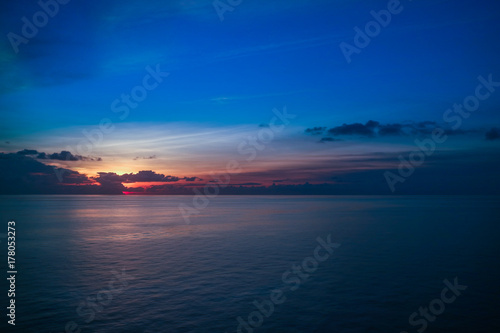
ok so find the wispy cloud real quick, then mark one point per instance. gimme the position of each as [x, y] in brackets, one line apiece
[372, 129]
[284, 46]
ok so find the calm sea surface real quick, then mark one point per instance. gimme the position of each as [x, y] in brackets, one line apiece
[132, 264]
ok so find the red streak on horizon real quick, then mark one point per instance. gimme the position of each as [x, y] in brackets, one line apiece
[149, 184]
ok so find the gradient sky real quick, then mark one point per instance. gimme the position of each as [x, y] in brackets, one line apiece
[227, 76]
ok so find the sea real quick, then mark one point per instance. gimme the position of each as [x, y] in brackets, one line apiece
[125, 263]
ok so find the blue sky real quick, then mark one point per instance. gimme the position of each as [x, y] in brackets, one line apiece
[226, 76]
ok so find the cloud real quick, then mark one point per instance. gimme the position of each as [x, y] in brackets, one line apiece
[171, 179]
[424, 124]
[367, 129]
[108, 177]
[372, 129]
[146, 176]
[316, 130]
[191, 179]
[493, 134]
[391, 129]
[22, 174]
[285, 46]
[62, 156]
[445, 172]
[27, 152]
[152, 157]
[328, 139]
[458, 131]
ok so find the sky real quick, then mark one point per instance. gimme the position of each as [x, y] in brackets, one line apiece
[304, 97]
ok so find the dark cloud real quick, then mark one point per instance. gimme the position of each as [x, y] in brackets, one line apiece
[367, 129]
[108, 177]
[457, 132]
[152, 157]
[141, 176]
[391, 129]
[22, 174]
[493, 134]
[328, 139]
[372, 124]
[444, 173]
[110, 181]
[191, 179]
[244, 189]
[145, 176]
[62, 156]
[427, 123]
[42, 156]
[163, 189]
[316, 130]
[27, 152]
[374, 128]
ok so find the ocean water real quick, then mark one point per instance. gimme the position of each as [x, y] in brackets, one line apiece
[132, 264]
